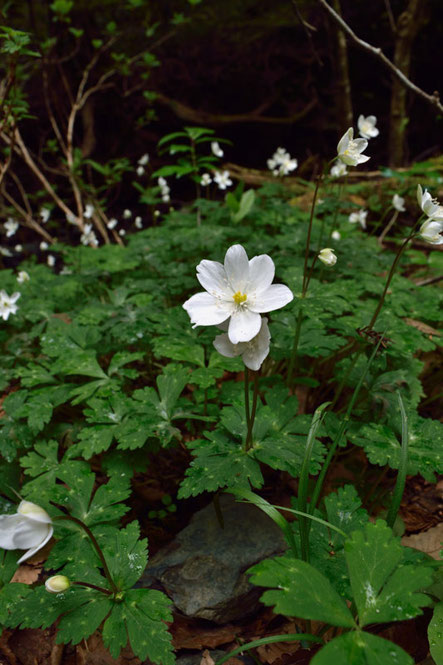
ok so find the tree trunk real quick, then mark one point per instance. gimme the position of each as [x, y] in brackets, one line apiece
[408, 25]
[343, 102]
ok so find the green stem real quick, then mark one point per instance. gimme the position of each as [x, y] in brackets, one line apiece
[97, 547]
[402, 469]
[252, 413]
[247, 411]
[293, 358]
[93, 586]
[286, 637]
[308, 237]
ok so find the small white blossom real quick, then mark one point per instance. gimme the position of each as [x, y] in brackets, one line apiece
[127, 214]
[45, 214]
[71, 219]
[338, 169]
[281, 163]
[7, 307]
[29, 529]
[57, 584]
[144, 159]
[239, 290]
[140, 170]
[222, 179]
[327, 256]
[44, 246]
[138, 223]
[366, 126]
[4, 251]
[216, 150]
[65, 271]
[112, 224]
[349, 149]
[121, 232]
[11, 227]
[164, 189]
[157, 213]
[336, 235]
[89, 211]
[50, 261]
[253, 352]
[431, 207]
[398, 203]
[18, 248]
[206, 179]
[359, 217]
[23, 277]
[166, 198]
[431, 231]
[88, 236]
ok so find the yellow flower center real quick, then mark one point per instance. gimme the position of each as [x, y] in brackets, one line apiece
[239, 297]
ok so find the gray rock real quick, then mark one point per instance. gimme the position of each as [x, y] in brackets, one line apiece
[203, 569]
[216, 654]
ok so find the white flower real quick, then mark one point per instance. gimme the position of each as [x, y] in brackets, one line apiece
[44, 246]
[88, 236]
[359, 217]
[45, 214]
[338, 169]
[336, 235]
[216, 150]
[240, 290]
[121, 232]
[205, 179]
[164, 189]
[281, 162]
[349, 149]
[140, 171]
[50, 261]
[398, 202]
[7, 307]
[166, 198]
[431, 207]
[18, 248]
[327, 256]
[127, 214]
[222, 179]
[112, 224]
[57, 584]
[138, 223]
[65, 271]
[253, 352]
[71, 219]
[23, 277]
[4, 251]
[162, 182]
[366, 126]
[431, 231]
[89, 211]
[29, 529]
[144, 159]
[11, 227]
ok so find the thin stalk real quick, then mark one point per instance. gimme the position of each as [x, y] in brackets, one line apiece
[308, 237]
[197, 182]
[93, 586]
[252, 413]
[287, 637]
[247, 410]
[402, 469]
[97, 547]
[293, 358]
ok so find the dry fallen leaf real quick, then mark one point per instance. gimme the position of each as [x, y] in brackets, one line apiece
[422, 327]
[206, 659]
[429, 541]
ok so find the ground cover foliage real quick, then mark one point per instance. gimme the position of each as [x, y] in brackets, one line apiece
[101, 369]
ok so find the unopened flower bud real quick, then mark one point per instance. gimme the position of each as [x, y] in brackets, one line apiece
[57, 584]
[327, 256]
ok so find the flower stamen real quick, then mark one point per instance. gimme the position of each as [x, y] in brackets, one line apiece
[239, 297]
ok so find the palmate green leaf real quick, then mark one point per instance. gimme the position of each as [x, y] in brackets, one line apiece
[83, 620]
[383, 447]
[302, 591]
[141, 616]
[361, 648]
[9, 593]
[219, 462]
[383, 589]
[76, 554]
[435, 633]
[126, 555]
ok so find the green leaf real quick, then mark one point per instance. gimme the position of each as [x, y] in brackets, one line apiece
[361, 648]
[383, 589]
[83, 620]
[302, 591]
[246, 204]
[435, 634]
[126, 555]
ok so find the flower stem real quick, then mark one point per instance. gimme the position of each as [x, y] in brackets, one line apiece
[94, 586]
[248, 444]
[97, 547]
[247, 411]
[308, 237]
[292, 360]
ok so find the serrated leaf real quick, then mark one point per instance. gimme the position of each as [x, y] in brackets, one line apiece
[302, 591]
[146, 611]
[383, 589]
[126, 555]
[361, 648]
[83, 620]
[435, 633]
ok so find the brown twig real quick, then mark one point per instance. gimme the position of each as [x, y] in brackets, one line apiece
[29, 221]
[433, 100]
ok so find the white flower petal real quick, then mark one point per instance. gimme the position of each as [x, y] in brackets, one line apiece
[205, 310]
[258, 348]
[276, 296]
[36, 548]
[243, 326]
[225, 347]
[30, 534]
[33, 512]
[261, 273]
[237, 267]
[212, 277]
[8, 526]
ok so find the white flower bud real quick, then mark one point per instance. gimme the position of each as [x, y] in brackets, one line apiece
[327, 256]
[57, 584]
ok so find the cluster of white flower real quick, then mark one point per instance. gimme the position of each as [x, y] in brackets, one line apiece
[88, 236]
[432, 229]
[7, 304]
[164, 190]
[281, 162]
[10, 227]
[142, 162]
[359, 217]
[30, 528]
[236, 293]
[222, 179]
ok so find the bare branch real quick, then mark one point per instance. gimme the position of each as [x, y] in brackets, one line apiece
[29, 221]
[433, 99]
